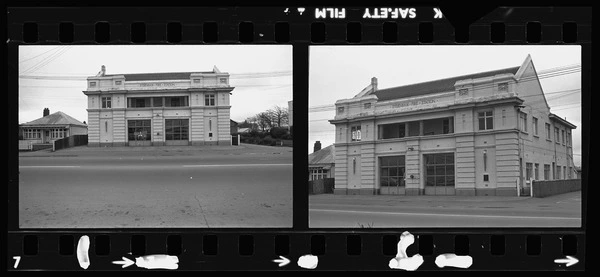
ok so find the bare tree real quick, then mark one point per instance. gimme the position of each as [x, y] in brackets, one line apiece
[264, 121]
[279, 116]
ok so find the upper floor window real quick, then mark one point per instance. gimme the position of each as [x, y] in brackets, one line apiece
[106, 102]
[340, 110]
[196, 80]
[563, 136]
[367, 105]
[92, 84]
[556, 135]
[523, 121]
[548, 136]
[118, 83]
[503, 87]
[463, 91]
[569, 138]
[535, 126]
[209, 100]
[223, 80]
[486, 120]
[355, 131]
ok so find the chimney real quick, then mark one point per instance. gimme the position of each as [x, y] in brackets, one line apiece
[317, 146]
[374, 83]
[46, 112]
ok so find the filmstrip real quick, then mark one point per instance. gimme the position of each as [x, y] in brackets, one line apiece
[298, 138]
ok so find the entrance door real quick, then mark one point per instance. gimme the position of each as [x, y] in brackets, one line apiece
[354, 175]
[139, 132]
[392, 174]
[46, 136]
[439, 174]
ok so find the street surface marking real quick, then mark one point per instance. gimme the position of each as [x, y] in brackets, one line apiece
[456, 215]
[209, 165]
[49, 166]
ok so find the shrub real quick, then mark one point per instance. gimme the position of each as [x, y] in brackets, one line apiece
[278, 132]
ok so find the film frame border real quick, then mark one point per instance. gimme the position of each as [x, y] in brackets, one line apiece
[370, 246]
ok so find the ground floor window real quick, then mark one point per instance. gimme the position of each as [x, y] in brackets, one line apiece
[138, 130]
[546, 172]
[528, 171]
[176, 129]
[31, 134]
[537, 171]
[392, 171]
[317, 173]
[439, 169]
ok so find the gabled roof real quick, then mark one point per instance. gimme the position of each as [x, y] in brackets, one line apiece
[156, 76]
[323, 156]
[436, 86]
[57, 118]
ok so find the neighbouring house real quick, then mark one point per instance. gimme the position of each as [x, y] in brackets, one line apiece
[578, 172]
[233, 126]
[321, 163]
[40, 133]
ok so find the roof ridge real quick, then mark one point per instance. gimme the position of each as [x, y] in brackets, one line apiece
[449, 78]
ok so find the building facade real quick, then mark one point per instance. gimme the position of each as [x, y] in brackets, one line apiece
[488, 133]
[155, 109]
[321, 163]
[50, 127]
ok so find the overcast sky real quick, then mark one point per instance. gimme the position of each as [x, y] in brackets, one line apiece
[265, 80]
[340, 72]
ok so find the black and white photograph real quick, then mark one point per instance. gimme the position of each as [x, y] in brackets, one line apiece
[155, 136]
[444, 136]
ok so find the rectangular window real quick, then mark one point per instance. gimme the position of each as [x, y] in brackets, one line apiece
[394, 130]
[438, 126]
[118, 83]
[537, 172]
[196, 81]
[557, 172]
[106, 102]
[355, 131]
[523, 121]
[209, 100]
[556, 135]
[223, 80]
[414, 128]
[176, 129]
[340, 110]
[568, 138]
[548, 136]
[564, 172]
[563, 136]
[367, 105]
[92, 84]
[463, 92]
[570, 172]
[535, 126]
[176, 101]
[392, 170]
[486, 120]
[157, 101]
[546, 172]
[528, 171]
[503, 87]
[138, 102]
[439, 169]
[139, 130]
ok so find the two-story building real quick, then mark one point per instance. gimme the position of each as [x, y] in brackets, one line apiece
[487, 133]
[154, 109]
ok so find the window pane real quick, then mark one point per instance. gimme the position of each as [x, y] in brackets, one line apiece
[439, 159]
[450, 158]
[430, 181]
[393, 181]
[449, 180]
[384, 182]
[450, 170]
[490, 123]
[384, 172]
[481, 123]
[440, 181]
[430, 170]
[440, 170]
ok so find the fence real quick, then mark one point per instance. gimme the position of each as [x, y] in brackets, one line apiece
[75, 140]
[321, 186]
[547, 188]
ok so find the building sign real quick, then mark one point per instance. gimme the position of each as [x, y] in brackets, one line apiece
[157, 85]
[414, 103]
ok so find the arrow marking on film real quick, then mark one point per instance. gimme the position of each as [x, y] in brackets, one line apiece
[569, 261]
[125, 262]
[283, 261]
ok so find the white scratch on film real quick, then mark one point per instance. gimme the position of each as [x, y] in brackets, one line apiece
[308, 261]
[453, 260]
[83, 247]
[402, 261]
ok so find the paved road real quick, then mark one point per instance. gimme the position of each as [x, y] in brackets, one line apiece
[105, 188]
[444, 211]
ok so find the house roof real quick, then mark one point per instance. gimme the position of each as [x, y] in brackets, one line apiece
[323, 156]
[436, 86]
[157, 76]
[57, 118]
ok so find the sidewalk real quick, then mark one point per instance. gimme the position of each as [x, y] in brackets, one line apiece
[158, 150]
